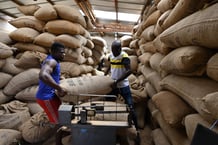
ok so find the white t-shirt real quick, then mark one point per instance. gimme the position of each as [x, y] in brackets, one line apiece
[118, 68]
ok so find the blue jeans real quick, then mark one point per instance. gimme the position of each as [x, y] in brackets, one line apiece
[125, 92]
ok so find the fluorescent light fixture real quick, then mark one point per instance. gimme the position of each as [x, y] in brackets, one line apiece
[112, 16]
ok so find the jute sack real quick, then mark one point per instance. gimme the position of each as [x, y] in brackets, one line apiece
[139, 95]
[142, 80]
[154, 62]
[147, 47]
[144, 58]
[129, 51]
[86, 34]
[84, 68]
[33, 131]
[172, 107]
[99, 48]
[10, 68]
[134, 44]
[24, 34]
[148, 33]
[22, 80]
[90, 44]
[97, 56]
[159, 137]
[69, 41]
[56, 27]
[5, 78]
[147, 12]
[141, 41]
[210, 102]
[191, 122]
[151, 20]
[46, 13]
[70, 13]
[10, 136]
[44, 39]
[27, 21]
[5, 53]
[34, 107]
[4, 98]
[182, 9]
[146, 70]
[187, 60]
[4, 38]
[133, 62]
[30, 47]
[27, 94]
[6, 46]
[30, 59]
[212, 67]
[135, 84]
[99, 41]
[70, 69]
[85, 85]
[74, 55]
[176, 136]
[154, 78]
[186, 31]
[165, 5]
[158, 27]
[160, 46]
[125, 40]
[153, 111]
[89, 25]
[28, 9]
[2, 63]
[15, 113]
[200, 87]
[87, 52]
[150, 89]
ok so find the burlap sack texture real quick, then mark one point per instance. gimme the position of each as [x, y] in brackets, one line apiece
[164, 48]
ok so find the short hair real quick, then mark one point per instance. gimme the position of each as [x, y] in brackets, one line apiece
[56, 46]
[116, 44]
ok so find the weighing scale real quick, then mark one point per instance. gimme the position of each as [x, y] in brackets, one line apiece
[85, 129]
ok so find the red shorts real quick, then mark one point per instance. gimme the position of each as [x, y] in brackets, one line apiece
[51, 108]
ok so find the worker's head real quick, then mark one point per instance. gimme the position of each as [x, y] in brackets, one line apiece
[58, 51]
[116, 48]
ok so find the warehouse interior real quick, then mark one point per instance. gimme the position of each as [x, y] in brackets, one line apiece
[172, 47]
[111, 23]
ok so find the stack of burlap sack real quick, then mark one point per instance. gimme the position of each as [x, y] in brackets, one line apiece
[21, 53]
[23, 50]
[177, 51]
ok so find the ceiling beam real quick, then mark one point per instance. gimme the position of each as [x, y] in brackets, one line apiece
[116, 9]
[86, 7]
[112, 27]
[51, 2]
[18, 2]
[7, 13]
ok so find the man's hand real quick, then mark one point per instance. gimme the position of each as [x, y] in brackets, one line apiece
[114, 85]
[61, 92]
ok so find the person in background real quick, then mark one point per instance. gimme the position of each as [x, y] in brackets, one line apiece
[49, 90]
[120, 70]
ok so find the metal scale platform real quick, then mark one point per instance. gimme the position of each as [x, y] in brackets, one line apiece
[85, 130]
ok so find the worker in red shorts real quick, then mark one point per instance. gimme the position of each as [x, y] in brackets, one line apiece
[49, 89]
